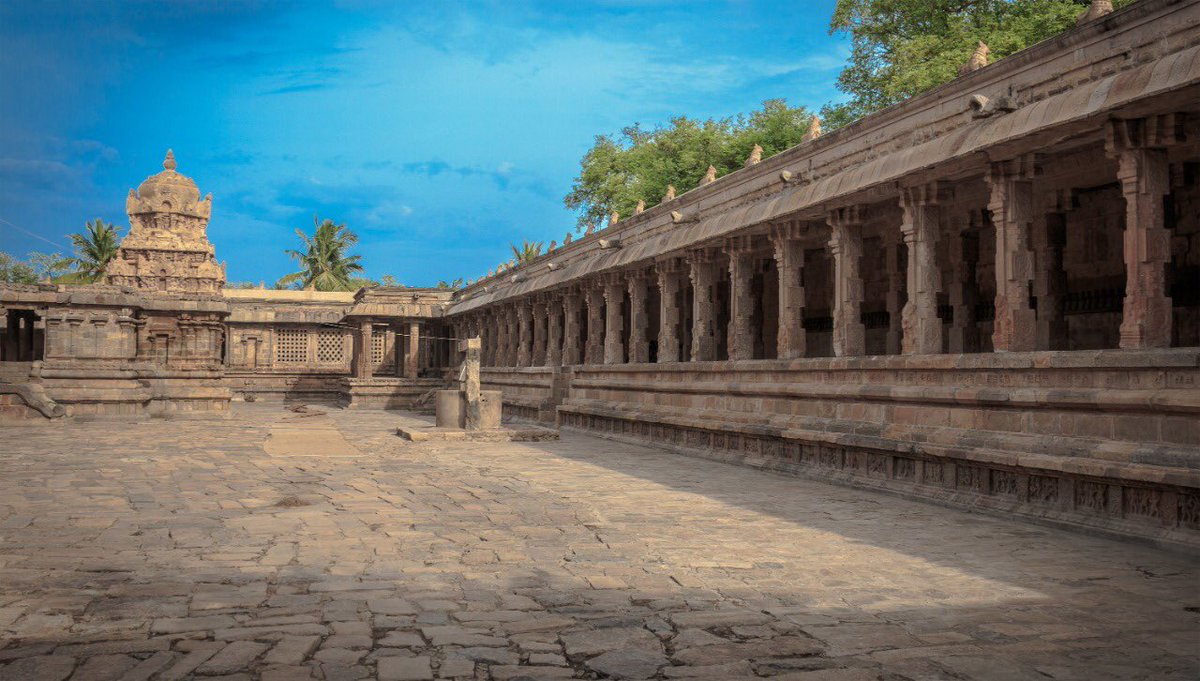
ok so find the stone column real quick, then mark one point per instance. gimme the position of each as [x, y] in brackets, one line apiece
[669, 317]
[614, 323]
[921, 227]
[896, 291]
[11, 352]
[511, 336]
[1139, 146]
[1050, 279]
[540, 313]
[594, 351]
[740, 334]
[554, 331]
[704, 317]
[412, 357]
[473, 417]
[789, 263]
[1011, 205]
[572, 305]
[362, 350]
[524, 333]
[845, 244]
[639, 318]
[964, 292]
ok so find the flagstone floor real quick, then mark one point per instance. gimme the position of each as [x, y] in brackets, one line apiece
[283, 545]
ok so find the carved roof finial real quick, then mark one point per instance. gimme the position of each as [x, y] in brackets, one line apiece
[670, 193]
[567, 239]
[755, 156]
[1098, 9]
[710, 176]
[169, 161]
[979, 59]
[814, 129]
[640, 208]
[614, 218]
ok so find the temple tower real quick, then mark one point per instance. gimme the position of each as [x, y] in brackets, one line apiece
[167, 248]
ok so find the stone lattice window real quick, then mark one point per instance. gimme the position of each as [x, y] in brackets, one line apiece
[291, 346]
[330, 347]
[378, 346]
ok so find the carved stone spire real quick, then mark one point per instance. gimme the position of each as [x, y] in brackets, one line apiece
[979, 59]
[1098, 9]
[814, 129]
[670, 193]
[710, 176]
[641, 207]
[755, 156]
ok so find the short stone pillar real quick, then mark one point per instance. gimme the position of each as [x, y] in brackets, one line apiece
[451, 409]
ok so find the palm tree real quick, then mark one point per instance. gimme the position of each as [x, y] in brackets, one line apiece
[528, 251]
[94, 248]
[324, 266]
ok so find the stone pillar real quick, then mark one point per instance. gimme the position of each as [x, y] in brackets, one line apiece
[1139, 146]
[571, 352]
[670, 316]
[614, 323]
[412, 357]
[964, 292]
[1011, 205]
[11, 352]
[639, 318]
[1050, 279]
[524, 333]
[540, 327]
[789, 263]
[921, 228]
[594, 351]
[896, 294]
[554, 331]
[510, 336]
[362, 350]
[473, 417]
[845, 244]
[740, 334]
[704, 316]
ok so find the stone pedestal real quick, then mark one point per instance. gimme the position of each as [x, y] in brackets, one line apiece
[451, 409]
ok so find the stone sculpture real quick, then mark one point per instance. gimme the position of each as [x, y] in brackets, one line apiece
[755, 156]
[641, 207]
[814, 130]
[1097, 9]
[710, 176]
[670, 196]
[978, 60]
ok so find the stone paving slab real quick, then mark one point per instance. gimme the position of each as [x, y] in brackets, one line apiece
[240, 548]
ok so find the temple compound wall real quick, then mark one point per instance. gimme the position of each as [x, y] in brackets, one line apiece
[986, 296]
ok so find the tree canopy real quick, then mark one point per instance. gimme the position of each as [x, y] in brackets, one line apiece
[639, 163]
[901, 48]
[94, 248]
[325, 264]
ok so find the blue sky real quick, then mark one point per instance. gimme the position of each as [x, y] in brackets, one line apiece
[439, 131]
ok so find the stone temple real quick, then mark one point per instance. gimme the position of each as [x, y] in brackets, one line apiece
[986, 297]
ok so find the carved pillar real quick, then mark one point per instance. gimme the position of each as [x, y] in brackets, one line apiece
[845, 244]
[572, 304]
[740, 335]
[1139, 147]
[540, 327]
[594, 351]
[921, 227]
[670, 316]
[704, 317]
[412, 358]
[1050, 279]
[789, 263]
[896, 295]
[614, 323]
[524, 332]
[554, 330]
[510, 336]
[964, 292]
[1011, 205]
[362, 350]
[639, 318]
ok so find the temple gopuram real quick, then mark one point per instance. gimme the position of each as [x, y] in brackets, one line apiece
[986, 296]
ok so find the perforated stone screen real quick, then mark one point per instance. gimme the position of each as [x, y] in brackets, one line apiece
[331, 349]
[291, 346]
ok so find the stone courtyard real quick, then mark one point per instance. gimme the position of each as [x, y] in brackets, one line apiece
[312, 542]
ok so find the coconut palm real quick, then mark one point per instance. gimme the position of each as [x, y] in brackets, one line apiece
[94, 248]
[324, 264]
[527, 251]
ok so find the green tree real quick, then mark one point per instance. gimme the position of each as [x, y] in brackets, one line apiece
[14, 271]
[638, 164]
[901, 48]
[94, 248]
[325, 264]
[49, 266]
[528, 250]
[453, 285]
